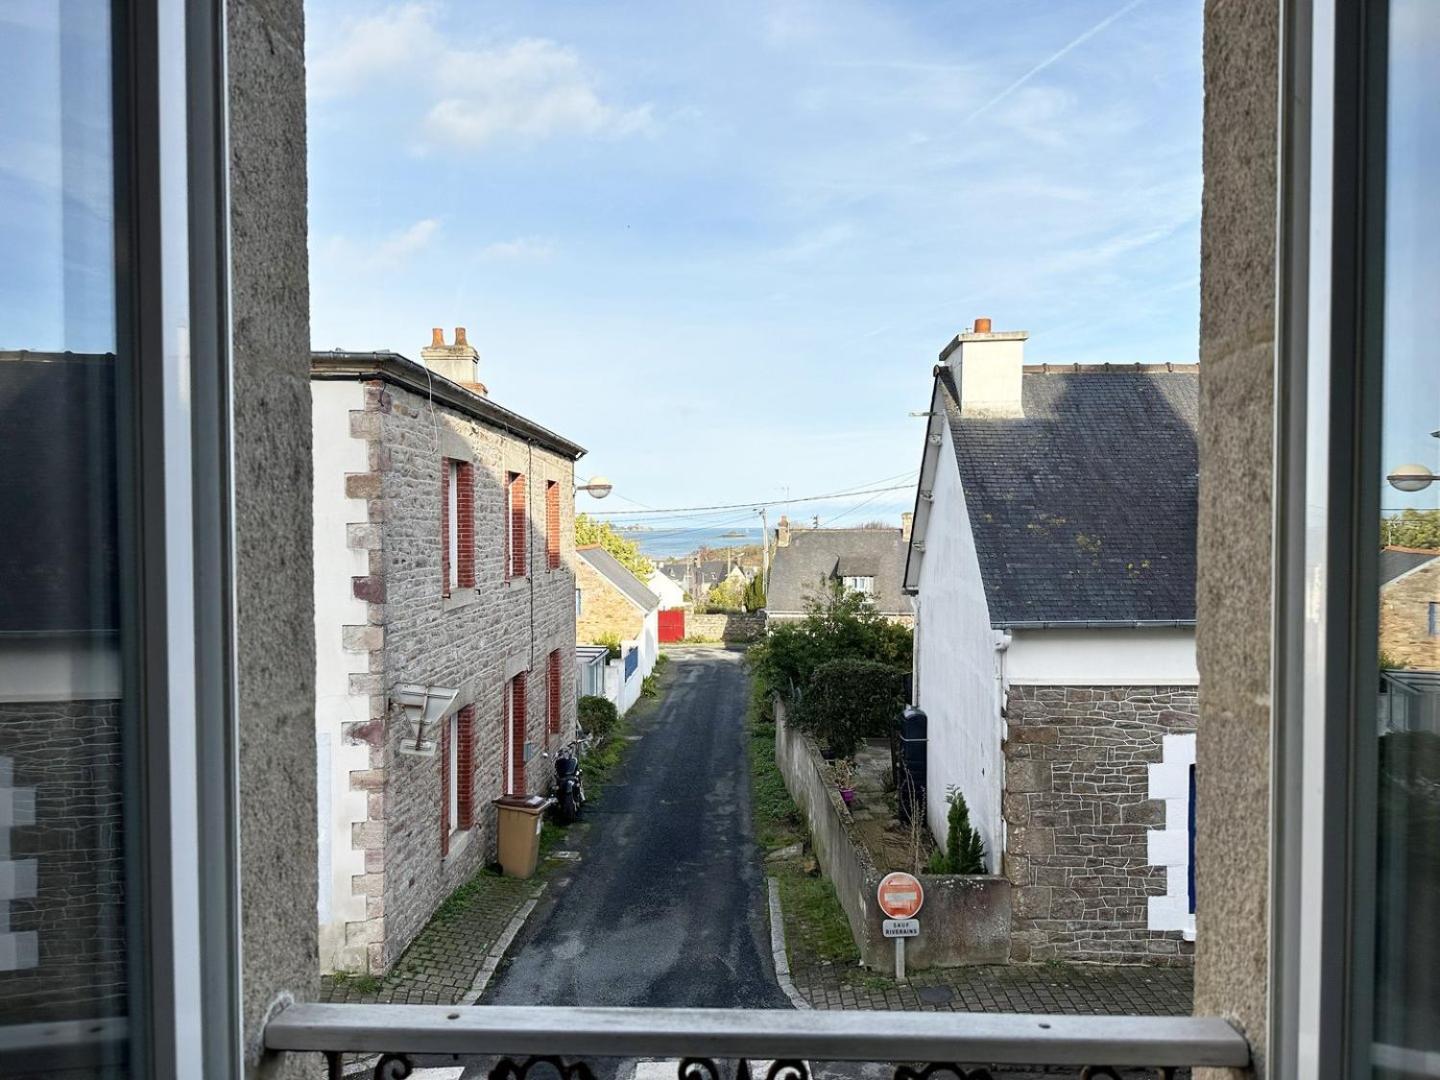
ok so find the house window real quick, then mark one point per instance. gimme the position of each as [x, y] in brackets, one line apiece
[517, 531]
[1434, 627]
[457, 524]
[865, 585]
[514, 763]
[452, 771]
[552, 700]
[579, 603]
[552, 524]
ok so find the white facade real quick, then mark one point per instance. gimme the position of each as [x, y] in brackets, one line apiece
[339, 808]
[670, 593]
[957, 675]
[1142, 656]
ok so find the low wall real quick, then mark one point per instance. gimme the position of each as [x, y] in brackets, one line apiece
[965, 919]
[745, 626]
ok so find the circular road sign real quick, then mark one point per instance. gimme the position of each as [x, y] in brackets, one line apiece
[900, 896]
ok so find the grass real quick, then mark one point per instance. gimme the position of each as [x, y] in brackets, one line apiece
[455, 904]
[816, 929]
[362, 984]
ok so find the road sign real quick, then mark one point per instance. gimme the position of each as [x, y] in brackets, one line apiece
[900, 896]
[899, 928]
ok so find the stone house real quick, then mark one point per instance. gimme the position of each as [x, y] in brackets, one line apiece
[612, 603]
[1410, 607]
[444, 568]
[1052, 563]
[807, 562]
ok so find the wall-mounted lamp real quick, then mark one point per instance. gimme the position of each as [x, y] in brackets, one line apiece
[1413, 477]
[597, 487]
[424, 707]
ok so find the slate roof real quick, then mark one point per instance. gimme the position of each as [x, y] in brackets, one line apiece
[610, 568]
[1084, 510]
[814, 556]
[1395, 561]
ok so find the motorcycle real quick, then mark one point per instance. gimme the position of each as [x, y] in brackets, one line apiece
[569, 784]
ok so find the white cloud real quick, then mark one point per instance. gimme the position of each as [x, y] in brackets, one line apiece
[407, 242]
[522, 248]
[530, 89]
[343, 251]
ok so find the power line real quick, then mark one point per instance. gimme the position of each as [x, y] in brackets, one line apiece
[759, 502]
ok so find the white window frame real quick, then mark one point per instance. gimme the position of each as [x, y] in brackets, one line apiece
[452, 539]
[854, 584]
[507, 743]
[452, 767]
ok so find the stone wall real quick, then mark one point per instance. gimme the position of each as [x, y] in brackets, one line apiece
[604, 609]
[1405, 636]
[475, 640]
[65, 893]
[736, 627]
[1078, 811]
[965, 919]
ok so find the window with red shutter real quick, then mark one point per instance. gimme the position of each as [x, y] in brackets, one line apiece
[553, 694]
[447, 558]
[517, 534]
[465, 769]
[445, 773]
[552, 525]
[515, 737]
[464, 528]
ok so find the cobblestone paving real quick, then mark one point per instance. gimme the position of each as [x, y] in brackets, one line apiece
[441, 963]
[1038, 988]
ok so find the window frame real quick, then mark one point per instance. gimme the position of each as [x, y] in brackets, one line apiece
[517, 554]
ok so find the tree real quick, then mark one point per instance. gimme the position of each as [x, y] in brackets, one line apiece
[1413, 529]
[755, 594]
[724, 596]
[588, 532]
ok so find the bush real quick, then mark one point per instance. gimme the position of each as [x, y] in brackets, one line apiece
[964, 849]
[848, 701]
[597, 715]
[611, 642]
[650, 686]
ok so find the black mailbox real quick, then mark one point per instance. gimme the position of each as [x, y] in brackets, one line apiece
[909, 752]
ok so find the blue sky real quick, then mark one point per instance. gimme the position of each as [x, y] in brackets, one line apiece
[722, 244]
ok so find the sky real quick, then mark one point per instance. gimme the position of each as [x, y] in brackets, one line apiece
[721, 245]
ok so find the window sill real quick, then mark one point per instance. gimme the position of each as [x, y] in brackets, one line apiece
[461, 597]
[459, 841]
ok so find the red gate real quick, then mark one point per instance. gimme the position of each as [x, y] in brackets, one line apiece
[672, 625]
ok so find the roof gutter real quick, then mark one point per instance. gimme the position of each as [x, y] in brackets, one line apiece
[924, 491]
[400, 371]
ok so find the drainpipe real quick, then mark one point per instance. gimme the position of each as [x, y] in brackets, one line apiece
[1002, 646]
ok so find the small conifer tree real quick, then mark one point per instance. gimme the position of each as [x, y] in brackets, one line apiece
[964, 849]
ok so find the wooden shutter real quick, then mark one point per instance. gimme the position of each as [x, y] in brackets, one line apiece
[445, 526]
[552, 525]
[465, 769]
[444, 787]
[517, 734]
[553, 691]
[518, 539]
[465, 528]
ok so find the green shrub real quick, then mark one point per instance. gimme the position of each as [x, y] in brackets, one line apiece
[650, 686]
[964, 849]
[611, 642]
[849, 701]
[597, 715]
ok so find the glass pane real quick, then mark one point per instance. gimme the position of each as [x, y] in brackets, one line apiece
[63, 978]
[1407, 999]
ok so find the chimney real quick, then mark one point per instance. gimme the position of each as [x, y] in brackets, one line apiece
[907, 519]
[987, 368]
[782, 532]
[459, 363]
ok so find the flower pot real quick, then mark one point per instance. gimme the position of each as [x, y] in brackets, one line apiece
[848, 794]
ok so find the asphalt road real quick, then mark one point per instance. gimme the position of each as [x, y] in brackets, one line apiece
[666, 906]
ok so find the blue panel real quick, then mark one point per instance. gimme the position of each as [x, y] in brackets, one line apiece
[1192, 839]
[632, 661]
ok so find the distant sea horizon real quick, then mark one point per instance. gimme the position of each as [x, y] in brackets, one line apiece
[672, 543]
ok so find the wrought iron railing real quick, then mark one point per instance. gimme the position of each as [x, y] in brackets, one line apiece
[566, 1041]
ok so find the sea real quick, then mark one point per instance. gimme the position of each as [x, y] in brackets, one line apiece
[672, 543]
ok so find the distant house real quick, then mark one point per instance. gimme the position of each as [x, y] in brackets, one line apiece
[696, 577]
[810, 562]
[1052, 563]
[612, 603]
[1409, 640]
[670, 591]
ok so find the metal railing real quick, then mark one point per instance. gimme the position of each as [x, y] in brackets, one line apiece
[961, 1045]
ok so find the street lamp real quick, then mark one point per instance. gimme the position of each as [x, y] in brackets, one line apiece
[597, 486]
[1411, 478]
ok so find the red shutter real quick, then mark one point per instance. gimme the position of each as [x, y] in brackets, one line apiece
[465, 769]
[465, 541]
[444, 787]
[552, 525]
[517, 733]
[554, 693]
[445, 526]
[517, 525]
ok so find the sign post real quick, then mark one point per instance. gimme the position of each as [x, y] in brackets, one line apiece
[900, 897]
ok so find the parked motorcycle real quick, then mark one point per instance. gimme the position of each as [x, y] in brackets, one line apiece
[569, 784]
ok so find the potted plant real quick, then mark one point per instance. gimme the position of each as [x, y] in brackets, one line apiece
[844, 772]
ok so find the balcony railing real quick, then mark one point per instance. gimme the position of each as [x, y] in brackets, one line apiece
[960, 1046]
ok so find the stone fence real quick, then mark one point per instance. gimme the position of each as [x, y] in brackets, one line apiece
[965, 919]
[736, 626]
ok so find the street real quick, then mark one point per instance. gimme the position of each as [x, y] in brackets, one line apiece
[666, 906]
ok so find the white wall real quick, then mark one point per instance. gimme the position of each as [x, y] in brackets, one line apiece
[335, 454]
[1098, 657]
[670, 593]
[60, 669]
[1170, 847]
[956, 666]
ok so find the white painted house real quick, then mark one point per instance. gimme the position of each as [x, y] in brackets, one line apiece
[670, 591]
[1052, 565]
